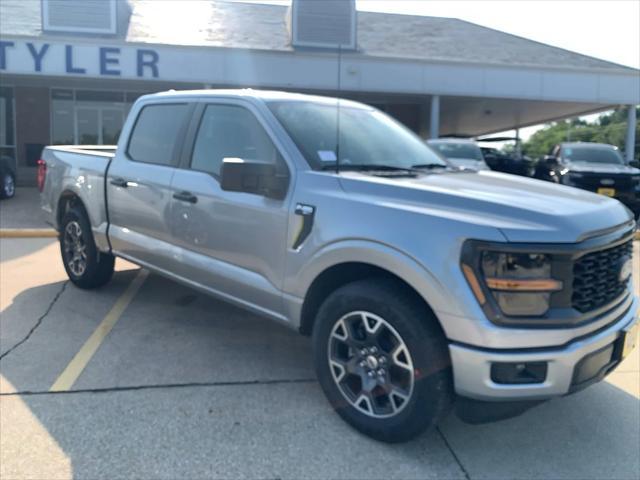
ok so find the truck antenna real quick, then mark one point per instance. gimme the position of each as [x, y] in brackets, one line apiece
[338, 110]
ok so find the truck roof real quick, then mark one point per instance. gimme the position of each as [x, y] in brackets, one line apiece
[265, 95]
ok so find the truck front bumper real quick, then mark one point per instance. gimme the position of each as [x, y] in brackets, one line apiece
[559, 371]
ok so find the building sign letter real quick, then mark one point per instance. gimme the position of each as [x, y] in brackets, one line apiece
[147, 58]
[106, 60]
[3, 57]
[37, 55]
[68, 50]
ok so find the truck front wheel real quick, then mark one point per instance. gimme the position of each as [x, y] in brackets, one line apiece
[382, 360]
[85, 265]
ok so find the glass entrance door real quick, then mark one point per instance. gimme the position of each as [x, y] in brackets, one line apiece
[97, 125]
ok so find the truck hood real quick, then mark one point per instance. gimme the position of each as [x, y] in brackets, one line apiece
[523, 209]
[590, 167]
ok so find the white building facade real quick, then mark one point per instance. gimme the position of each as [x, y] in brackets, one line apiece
[70, 70]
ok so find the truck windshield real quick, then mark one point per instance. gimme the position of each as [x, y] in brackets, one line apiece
[467, 151]
[367, 137]
[592, 155]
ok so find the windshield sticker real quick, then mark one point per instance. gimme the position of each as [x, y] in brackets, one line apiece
[568, 151]
[327, 155]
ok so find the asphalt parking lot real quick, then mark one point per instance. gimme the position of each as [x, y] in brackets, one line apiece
[185, 386]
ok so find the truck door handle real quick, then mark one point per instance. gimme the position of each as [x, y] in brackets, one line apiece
[186, 197]
[119, 182]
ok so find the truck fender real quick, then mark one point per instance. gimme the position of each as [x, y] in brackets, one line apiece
[371, 253]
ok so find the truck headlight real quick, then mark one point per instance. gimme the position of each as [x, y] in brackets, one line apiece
[520, 283]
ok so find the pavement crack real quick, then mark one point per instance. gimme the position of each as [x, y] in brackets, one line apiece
[455, 456]
[38, 322]
[162, 386]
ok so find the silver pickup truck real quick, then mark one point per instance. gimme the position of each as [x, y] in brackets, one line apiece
[423, 286]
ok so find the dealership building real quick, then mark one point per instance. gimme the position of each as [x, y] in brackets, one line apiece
[71, 69]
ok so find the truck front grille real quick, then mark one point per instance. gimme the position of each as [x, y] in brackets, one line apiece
[596, 277]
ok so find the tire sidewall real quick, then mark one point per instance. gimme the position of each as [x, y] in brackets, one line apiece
[76, 214]
[427, 347]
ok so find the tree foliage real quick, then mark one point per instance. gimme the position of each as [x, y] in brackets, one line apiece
[609, 128]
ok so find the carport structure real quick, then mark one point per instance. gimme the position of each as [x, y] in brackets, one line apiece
[439, 76]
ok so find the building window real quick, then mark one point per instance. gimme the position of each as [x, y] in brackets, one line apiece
[88, 117]
[7, 125]
[62, 121]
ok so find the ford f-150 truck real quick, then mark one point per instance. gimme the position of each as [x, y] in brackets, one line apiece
[422, 285]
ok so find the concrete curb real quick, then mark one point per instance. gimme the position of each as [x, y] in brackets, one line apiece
[28, 233]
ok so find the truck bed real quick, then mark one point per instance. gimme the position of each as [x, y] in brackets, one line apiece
[80, 170]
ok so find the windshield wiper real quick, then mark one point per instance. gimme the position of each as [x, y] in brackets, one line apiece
[428, 166]
[369, 167]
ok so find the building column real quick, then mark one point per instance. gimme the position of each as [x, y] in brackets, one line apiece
[631, 134]
[434, 124]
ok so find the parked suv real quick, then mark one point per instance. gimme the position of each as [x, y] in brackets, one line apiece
[596, 167]
[420, 284]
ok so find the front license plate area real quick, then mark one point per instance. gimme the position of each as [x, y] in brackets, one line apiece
[609, 192]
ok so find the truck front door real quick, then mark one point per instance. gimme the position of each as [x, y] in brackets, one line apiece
[232, 243]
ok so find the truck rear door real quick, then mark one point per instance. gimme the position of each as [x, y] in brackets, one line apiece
[138, 183]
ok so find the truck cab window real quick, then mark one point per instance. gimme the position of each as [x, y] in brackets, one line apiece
[228, 131]
[155, 133]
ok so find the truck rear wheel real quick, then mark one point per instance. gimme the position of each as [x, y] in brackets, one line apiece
[382, 360]
[85, 265]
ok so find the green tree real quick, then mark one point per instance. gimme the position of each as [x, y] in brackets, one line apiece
[609, 128]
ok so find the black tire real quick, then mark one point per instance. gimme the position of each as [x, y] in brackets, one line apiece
[98, 266]
[7, 185]
[431, 397]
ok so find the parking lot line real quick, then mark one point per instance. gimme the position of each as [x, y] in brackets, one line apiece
[71, 373]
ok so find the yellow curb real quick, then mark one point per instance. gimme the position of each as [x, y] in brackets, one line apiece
[28, 233]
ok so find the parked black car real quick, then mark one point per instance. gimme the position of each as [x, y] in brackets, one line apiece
[7, 178]
[593, 166]
[503, 162]
[513, 163]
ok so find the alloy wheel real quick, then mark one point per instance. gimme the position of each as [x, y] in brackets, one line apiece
[370, 364]
[75, 248]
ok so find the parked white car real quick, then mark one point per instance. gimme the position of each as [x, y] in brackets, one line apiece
[460, 152]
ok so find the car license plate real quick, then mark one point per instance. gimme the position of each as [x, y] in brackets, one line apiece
[609, 192]
[630, 340]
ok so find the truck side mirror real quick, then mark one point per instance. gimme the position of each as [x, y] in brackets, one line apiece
[635, 163]
[550, 160]
[238, 175]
